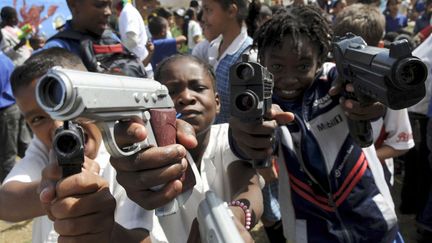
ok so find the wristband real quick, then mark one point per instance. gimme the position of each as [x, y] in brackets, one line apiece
[247, 212]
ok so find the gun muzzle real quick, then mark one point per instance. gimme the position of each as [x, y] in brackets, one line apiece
[51, 93]
[409, 72]
[68, 145]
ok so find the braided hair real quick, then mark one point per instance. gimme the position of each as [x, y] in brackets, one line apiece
[295, 22]
[160, 70]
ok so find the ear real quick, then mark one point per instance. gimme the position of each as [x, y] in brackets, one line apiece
[217, 101]
[233, 11]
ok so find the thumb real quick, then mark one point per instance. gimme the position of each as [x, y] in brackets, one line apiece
[281, 117]
[186, 134]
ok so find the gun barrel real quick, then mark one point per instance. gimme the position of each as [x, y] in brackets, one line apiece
[391, 76]
[67, 94]
[410, 72]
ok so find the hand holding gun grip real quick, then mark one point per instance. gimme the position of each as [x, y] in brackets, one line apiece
[251, 95]
[106, 99]
[391, 76]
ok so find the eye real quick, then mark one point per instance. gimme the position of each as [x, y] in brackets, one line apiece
[304, 67]
[275, 67]
[199, 88]
[37, 120]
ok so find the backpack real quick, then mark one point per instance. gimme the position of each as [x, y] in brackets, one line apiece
[105, 54]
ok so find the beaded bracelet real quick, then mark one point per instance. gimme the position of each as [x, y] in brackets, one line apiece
[247, 212]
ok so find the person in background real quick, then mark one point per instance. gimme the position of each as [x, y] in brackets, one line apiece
[163, 46]
[13, 45]
[194, 31]
[258, 13]
[226, 19]
[133, 33]
[395, 21]
[424, 20]
[392, 133]
[421, 173]
[201, 49]
[9, 118]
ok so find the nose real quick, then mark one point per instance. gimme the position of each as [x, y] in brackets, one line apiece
[107, 11]
[56, 124]
[186, 98]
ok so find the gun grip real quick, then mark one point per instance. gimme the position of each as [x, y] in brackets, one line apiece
[361, 131]
[163, 122]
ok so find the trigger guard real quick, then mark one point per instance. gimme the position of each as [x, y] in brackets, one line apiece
[112, 147]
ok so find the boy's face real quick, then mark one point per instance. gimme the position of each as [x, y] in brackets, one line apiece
[191, 89]
[294, 68]
[91, 15]
[214, 17]
[44, 127]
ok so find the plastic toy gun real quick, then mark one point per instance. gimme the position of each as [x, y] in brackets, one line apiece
[106, 99]
[68, 146]
[391, 76]
[216, 224]
[26, 30]
[251, 95]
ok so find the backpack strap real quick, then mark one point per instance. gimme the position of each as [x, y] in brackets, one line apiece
[69, 34]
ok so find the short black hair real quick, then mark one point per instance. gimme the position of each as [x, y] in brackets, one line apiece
[38, 64]
[295, 22]
[161, 66]
[164, 12]
[7, 13]
[156, 25]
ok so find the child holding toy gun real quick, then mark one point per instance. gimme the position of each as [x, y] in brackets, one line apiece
[392, 133]
[85, 207]
[14, 41]
[192, 87]
[331, 190]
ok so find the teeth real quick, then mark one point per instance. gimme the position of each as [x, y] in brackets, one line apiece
[289, 92]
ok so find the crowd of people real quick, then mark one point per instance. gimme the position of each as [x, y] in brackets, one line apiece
[320, 185]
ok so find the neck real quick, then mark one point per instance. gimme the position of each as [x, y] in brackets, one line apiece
[75, 26]
[197, 153]
[228, 37]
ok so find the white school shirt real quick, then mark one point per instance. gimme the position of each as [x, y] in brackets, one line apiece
[213, 51]
[194, 29]
[214, 165]
[397, 126]
[133, 32]
[424, 52]
[9, 41]
[201, 50]
[28, 169]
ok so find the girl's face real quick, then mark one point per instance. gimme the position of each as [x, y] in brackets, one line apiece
[294, 68]
[215, 17]
[191, 89]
